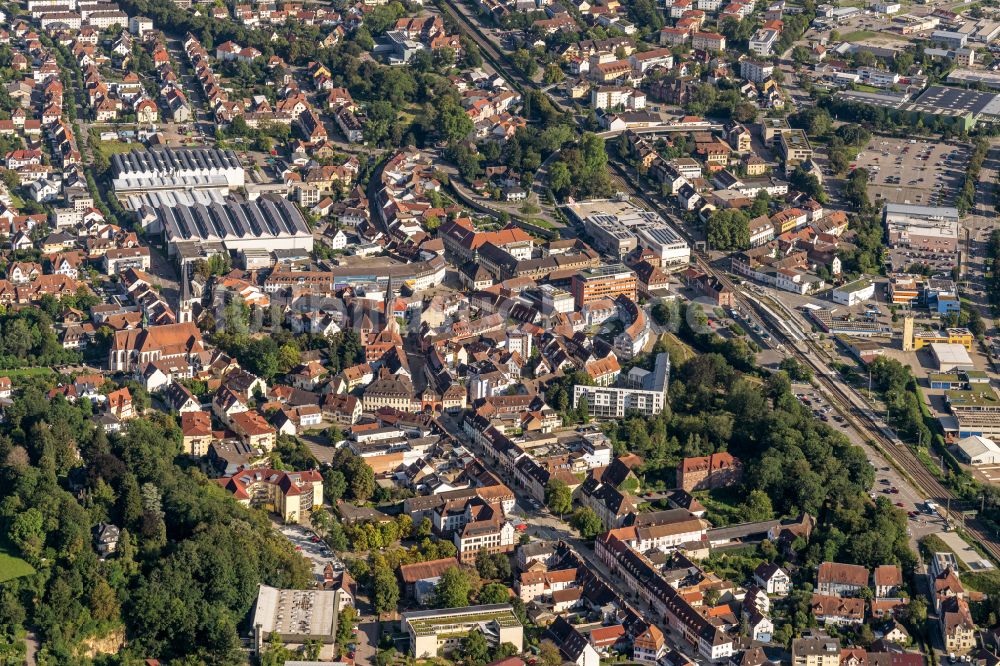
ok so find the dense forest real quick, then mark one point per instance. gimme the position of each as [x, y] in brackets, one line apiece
[188, 562]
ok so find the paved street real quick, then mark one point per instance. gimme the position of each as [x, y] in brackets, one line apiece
[543, 525]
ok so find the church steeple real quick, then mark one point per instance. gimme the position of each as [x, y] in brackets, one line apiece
[390, 306]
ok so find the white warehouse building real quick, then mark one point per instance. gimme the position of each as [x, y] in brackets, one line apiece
[855, 292]
[977, 450]
[176, 168]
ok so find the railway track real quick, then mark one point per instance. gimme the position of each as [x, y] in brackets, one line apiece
[487, 48]
[848, 402]
[864, 419]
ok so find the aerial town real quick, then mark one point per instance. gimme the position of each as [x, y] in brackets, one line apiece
[499, 333]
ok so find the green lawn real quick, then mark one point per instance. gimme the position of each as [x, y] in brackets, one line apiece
[27, 372]
[11, 566]
[114, 147]
[721, 505]
[541, 222]
[109, 148]
[987, 582]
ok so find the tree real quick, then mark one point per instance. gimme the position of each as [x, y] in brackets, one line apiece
[853, 134]
[334, 485]
[453, 123]
[760, 205]
[475, 649]
[915, 614]
[728, 229]
[586, 522]
[524, 62]
[558, 497]
[808, 184]
[493, 566]
[504, 650]
[560, 178]
[362, 482]
[800, 54]
[27, 533]
[553, 74]
[494, 593]
[103, 602]
[385, 590]
[815, 121]
[548, 654]
[797, 371]
[345, 625]
[756, 508]
[454, 588]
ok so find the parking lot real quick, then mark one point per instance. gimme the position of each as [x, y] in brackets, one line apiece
[939, 263]
[915, 172]
[821, 409]
[888, 482]
[311, 547]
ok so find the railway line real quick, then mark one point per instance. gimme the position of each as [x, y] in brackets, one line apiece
[860, 415]
[847, 401]
[487, 48]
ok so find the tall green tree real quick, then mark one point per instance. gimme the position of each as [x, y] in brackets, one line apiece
[453, 589]
[558, 497]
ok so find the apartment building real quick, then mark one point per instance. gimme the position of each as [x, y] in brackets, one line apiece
[756, 71]
[794, 146]
[816, 650]
[763, 41]
[841, 580]
[196, 432]
[708, 41]
[493, 535]
[289, 494]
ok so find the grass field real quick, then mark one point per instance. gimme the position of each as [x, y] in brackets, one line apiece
[11, 566]
[109, 148]
[721, 505]
[679, 347]
[28, 372]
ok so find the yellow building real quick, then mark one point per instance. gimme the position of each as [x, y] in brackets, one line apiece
[816, 651]
[951, 336]
[196, 430]
[288, 494]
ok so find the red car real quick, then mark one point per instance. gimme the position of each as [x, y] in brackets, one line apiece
[298, 548]
[900, 505]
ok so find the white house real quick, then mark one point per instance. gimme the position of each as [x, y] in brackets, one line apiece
[339, 240]
[773, 579]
